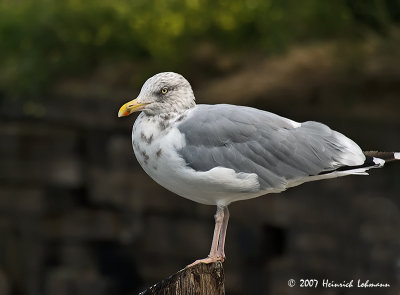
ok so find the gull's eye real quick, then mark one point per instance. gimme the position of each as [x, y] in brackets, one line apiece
[164, 90]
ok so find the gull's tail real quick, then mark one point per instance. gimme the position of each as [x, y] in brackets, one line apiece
[386, 156]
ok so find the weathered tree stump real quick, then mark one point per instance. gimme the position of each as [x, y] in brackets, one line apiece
[201, 279]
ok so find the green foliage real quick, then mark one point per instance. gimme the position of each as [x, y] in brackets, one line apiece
[42, 40]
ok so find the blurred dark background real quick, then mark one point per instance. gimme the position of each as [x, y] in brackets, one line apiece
[79, 216]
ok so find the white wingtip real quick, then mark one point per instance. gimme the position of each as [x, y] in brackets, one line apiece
[379, 162]
[397, 156]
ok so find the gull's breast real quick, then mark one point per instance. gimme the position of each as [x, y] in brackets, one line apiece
[157, 153]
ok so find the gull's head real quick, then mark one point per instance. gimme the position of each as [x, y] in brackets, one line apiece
[163, 93]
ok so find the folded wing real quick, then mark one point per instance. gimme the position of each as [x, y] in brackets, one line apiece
[277, 149]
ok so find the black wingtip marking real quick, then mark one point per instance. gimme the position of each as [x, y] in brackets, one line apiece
[369, 162]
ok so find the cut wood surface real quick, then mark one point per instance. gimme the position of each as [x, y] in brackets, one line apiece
[200, 279]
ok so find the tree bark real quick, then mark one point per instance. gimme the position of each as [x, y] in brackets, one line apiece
[200, 279]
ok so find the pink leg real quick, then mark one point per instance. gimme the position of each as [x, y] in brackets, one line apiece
[221, 241]
[219, 218]
[215, 252]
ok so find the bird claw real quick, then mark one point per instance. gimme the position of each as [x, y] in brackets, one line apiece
[207, 260]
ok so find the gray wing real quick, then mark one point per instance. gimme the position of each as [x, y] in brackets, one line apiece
[253, 141]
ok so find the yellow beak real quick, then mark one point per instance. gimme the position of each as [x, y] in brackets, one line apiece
[130, 107]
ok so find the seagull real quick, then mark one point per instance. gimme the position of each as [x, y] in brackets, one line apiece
[219, 154]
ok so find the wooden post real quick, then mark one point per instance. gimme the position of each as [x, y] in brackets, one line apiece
[200, 279]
